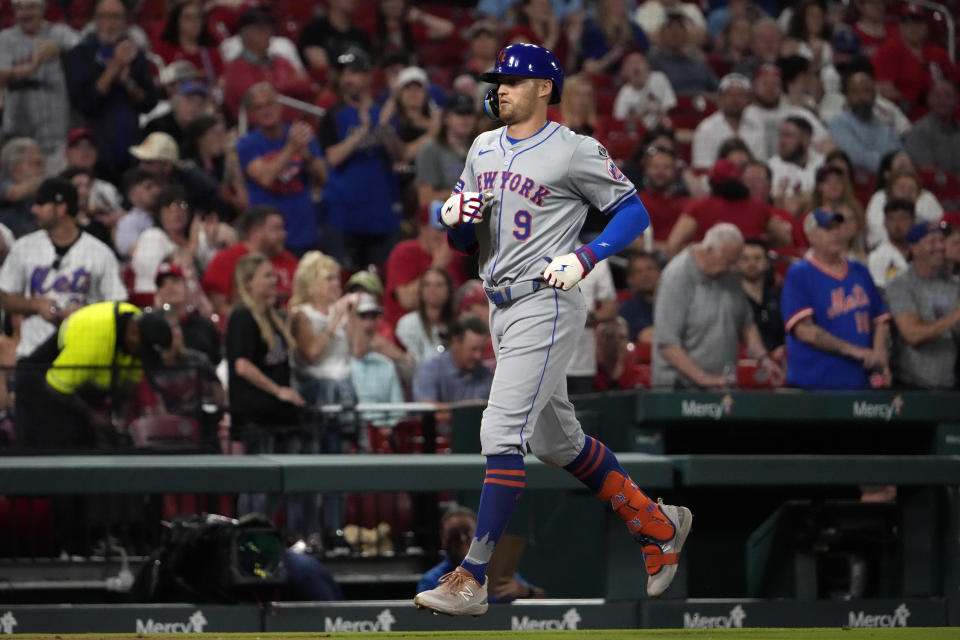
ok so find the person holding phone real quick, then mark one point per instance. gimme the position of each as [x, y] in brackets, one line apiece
[109, 82]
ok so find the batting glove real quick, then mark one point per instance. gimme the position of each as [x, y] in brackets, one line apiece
[566, 271]
[465, 207]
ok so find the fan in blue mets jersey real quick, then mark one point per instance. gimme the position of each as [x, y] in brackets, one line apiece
[521, 201]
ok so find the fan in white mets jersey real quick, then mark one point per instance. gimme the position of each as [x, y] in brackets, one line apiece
[53, 271]
[521, 201]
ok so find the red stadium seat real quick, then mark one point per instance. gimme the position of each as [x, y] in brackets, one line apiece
[864, 184]
[751, 376]
[642, 352]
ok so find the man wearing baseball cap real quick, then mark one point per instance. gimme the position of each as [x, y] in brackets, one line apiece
[925, 304]
[172, 300]
[835, 318]
[96, 357]
[733, 119]
[189, 101]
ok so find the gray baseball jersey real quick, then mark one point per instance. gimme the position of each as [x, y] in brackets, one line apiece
[543, 186]
[88, 272]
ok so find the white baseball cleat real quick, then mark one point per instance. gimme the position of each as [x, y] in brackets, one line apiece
[662, 556]
[458, 594]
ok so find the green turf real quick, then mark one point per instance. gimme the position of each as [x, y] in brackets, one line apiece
[624, 634]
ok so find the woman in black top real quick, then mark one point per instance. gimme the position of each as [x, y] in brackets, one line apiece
[263, 407]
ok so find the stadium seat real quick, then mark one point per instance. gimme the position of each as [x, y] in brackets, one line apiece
[864, 184]
[165, 433]
[642, 352]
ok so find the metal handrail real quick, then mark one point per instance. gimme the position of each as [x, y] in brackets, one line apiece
[287, 101]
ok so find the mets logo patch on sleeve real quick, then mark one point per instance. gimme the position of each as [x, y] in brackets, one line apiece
[615, 172]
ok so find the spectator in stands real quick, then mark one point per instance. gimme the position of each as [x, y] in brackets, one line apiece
[400, 27]
[35, 101]
[167, 240]
[771, 107]
[758, 282]
[643, 276]
[925, 305]
[795, 166]
[280, 162]
[872, 26]
[418, 119]
[729, 201]
[616, 369]
[765, 39]
[97, 223]
[799, 82]
[373, 374]
[21, 172]
[179, 381]
[906, 66]
[173, 299]
[264, 408]
[360, 200]
[660, 194]
[701, 315]
[889, 258]
[834, 100]
[81, 153]
[440, 162]
[160, 155]
[758, 179]
[535, 23]
[951, 242]
[140, 189]
[207, 150]
[457, 373]
[933, 140]
[732, 47]
[54, 271]
[645, 96]
[327, 37]
[256, 64]
[835, 318]
[483, 41]
[191, 100]
[834, 192]
[83, 377]
[423, 331]
[578, 107]
[110, 83]
[687, 182]
[600, 298]
[608, 36]
[261, 230]
[897, 179]
[856, 130]
[320, 314]
[732, 120]
[457, 527]
[808, 35]
[410, 259]
[650, 16]
[500, 10]
[185, 37]
[688, 74]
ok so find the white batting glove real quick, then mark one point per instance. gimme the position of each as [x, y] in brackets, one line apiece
[465, 207]
[567, 270]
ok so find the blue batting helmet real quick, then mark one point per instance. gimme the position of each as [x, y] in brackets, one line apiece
[527, 60]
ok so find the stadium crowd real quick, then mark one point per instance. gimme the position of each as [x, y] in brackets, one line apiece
[266, 176]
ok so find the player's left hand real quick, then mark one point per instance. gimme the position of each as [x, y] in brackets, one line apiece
[567, 270]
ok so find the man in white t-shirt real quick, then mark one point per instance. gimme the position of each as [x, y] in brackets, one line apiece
[794, 168]
[889, 258]
[600, 298]
[732, 120]
[54, 271]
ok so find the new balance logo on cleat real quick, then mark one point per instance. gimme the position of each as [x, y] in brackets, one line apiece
[466, 594]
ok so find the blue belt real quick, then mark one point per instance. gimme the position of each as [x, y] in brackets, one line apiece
[503, 295]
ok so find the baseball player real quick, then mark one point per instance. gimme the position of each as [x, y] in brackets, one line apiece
[59, 268]
[521, 201]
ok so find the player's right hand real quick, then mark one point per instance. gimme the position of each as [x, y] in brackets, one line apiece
[464, 207]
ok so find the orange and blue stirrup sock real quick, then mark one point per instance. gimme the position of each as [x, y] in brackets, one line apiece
[502, 487]
[598, 468]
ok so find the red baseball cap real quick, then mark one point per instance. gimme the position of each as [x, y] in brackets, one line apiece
[167, 270]
[724, 170]
[81, 133]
